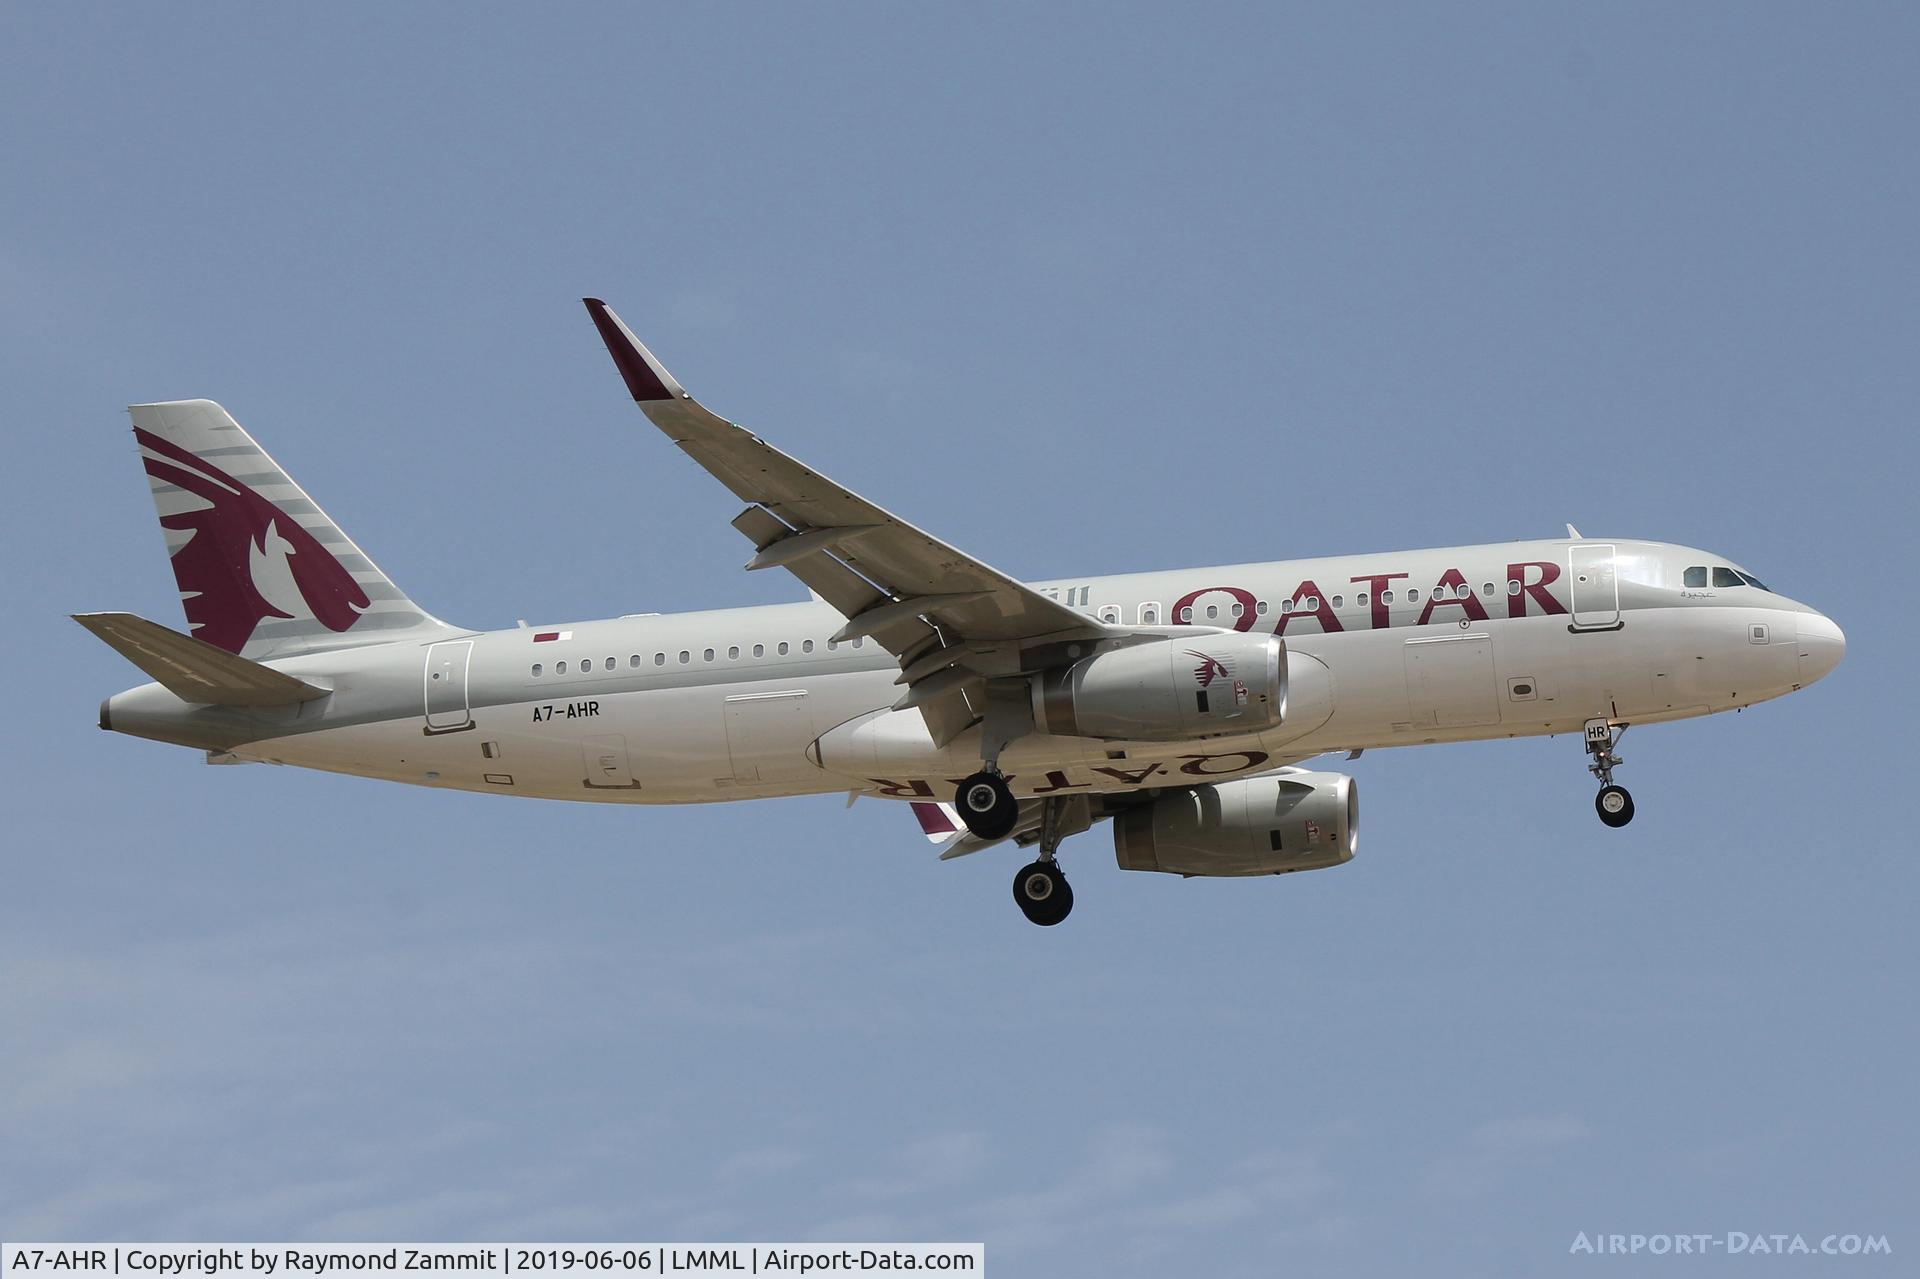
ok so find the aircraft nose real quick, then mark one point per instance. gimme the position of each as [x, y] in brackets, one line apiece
[1822, 645]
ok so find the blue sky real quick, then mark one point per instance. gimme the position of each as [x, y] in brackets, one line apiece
[1084, 289]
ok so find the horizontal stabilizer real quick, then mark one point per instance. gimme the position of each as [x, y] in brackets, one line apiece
[938, 822]
[942, 826]
[194, 670]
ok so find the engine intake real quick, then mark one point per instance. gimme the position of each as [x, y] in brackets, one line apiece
[1169, 690]
[1295, 820]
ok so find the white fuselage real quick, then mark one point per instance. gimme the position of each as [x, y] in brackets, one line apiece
[1523, 639]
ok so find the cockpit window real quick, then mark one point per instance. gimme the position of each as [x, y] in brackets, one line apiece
[1696, 576]
[1724, 576]
[1754, 582]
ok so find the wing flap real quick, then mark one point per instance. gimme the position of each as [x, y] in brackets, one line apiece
[953, 713]
[850, 594]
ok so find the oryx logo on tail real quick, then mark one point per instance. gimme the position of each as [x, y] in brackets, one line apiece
[245, 560]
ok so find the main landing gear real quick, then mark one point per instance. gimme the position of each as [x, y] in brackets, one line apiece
[1043, 894]
[987, 805]
[1613, 803]
[1040, 890]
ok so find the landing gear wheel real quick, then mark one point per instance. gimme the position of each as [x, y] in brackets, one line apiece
[987, 805]
[1614, 805]
[1043, 894]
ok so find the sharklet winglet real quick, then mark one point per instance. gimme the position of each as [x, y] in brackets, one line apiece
[646, 379]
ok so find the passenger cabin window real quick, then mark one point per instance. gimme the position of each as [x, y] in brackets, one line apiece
[759, 650]
[806, 646]
[733, 654]
[784, 649]
[1149, 614]
[1260, 607]
[634, 661]
[707, 656]
[685, 657]
[1724, 576]
[559, 668]
[536, 668]
[1186, 614]
[659, 659]
[1695, 577]
[586, 664]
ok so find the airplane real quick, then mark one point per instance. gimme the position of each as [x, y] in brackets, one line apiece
[1178, 705]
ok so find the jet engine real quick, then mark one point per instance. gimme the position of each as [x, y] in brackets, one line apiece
[1168, 690]
[1293, 820]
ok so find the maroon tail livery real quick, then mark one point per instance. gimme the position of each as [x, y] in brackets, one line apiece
[254, 579]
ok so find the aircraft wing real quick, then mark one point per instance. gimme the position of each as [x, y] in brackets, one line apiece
[945, 615]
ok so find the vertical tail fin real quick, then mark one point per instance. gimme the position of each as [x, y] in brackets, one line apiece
[262, 571]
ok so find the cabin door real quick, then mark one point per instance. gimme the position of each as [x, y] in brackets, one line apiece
[1596, 590]
[446, 682]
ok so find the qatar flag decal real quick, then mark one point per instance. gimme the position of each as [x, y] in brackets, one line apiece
[547, 637]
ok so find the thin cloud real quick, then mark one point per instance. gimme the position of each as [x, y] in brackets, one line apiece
[1499, 1147]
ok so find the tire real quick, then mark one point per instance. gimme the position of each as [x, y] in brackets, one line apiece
[1061, 907]
[1614, 805]
[987, 806]
[1042, 893]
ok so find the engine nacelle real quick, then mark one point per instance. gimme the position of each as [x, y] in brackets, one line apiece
[1295, 820]
[1168, 690]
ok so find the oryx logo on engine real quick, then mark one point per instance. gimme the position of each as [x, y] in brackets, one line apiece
[1210, 668]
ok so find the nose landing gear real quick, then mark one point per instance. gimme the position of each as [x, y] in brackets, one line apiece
[1613, 803]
